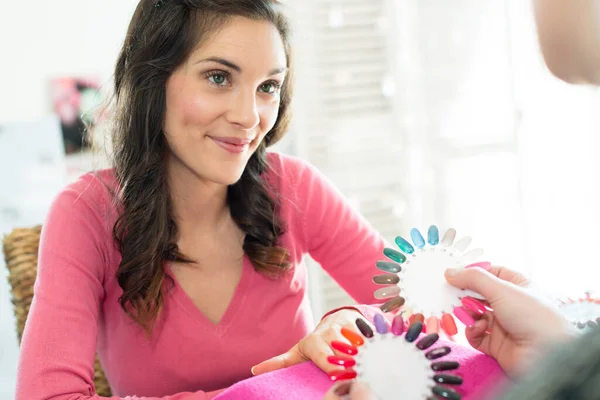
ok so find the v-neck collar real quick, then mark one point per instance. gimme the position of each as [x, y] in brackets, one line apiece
[233, 308]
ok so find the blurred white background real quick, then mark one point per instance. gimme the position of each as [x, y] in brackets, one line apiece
[421, 111]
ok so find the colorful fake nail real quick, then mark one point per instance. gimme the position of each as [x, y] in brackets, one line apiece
[464, 316]
[432, 325]
[433, 235]
[449, 237]
[444, 365]
[380, 324]
[394, 255]
[446, 393]
[473, 305]
[343, 361]
[392, 304]
[427, 341]
[463, 243]
[341, 375]
[417, 238]
[482, 264]
[387, 266]
[438, 353]
[413, 331]
[364, 328]
[471, 256]
[448, 325]
[354, 338]
[344, 348]
[386, 279]
[398, 325]
[387, 292]
[448, 379]
[404, 245]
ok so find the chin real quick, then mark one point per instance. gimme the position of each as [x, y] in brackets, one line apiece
[227, 177]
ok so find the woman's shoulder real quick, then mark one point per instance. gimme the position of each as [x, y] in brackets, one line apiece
[91, 193]
[287, 169]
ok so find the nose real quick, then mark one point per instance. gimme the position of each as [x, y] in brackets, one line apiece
[243, 109]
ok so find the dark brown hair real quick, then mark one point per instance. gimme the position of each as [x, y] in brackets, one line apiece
[160, 37]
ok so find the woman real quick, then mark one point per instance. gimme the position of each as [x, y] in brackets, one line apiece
[181, 267]
[569, 36]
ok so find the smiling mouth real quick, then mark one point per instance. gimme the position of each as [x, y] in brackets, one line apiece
[232, 145]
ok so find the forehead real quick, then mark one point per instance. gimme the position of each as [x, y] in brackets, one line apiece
[245, 42]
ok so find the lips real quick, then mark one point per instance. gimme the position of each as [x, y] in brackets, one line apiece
[232, 144]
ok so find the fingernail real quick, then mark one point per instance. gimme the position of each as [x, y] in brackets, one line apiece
[463, 316]
[252, 371]
[392, 304]
[398, 325]
[448, 325]
[343, 388]
[444, 365]
[413, 331]
[432, 325]
[473, 305]
[353, 337]
[380, 324]
[364, 328]
[451, 271]
[483, 265]
[340, 375]
[344, 348]
[343, 361]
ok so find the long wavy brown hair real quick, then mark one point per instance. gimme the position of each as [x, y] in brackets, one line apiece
[161, 36]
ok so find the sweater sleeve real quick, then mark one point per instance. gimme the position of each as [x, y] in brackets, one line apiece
[338, 237]
[59, 342]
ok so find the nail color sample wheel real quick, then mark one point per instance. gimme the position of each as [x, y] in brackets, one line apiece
[414, 278]
[397, 364]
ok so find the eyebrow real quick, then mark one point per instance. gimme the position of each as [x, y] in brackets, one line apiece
[237, 68]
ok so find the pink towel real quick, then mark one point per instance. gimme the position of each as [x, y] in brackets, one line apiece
[305, 381]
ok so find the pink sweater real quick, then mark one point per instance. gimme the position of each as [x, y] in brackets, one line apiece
[75, 312]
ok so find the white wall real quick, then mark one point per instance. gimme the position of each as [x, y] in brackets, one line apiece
[40, 39]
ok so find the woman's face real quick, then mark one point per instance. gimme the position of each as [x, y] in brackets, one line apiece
[224, 99]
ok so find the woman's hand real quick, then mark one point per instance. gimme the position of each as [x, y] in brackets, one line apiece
[315, 347]
[519, 326]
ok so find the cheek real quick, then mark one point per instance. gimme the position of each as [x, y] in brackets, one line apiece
[268, 116]
[197, 109]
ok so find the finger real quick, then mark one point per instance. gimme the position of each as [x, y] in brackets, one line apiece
[292, 357]
[476, 334]
[474, 306]
[480, 281]
[361, 391]
[509, 275]
[338, 389]
[318, 352]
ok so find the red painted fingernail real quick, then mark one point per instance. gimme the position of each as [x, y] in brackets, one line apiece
[483, 265]
[463, 316]
[344, 361]
[473, 305]
[449, 325]
[344, 348]
[344, 374]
